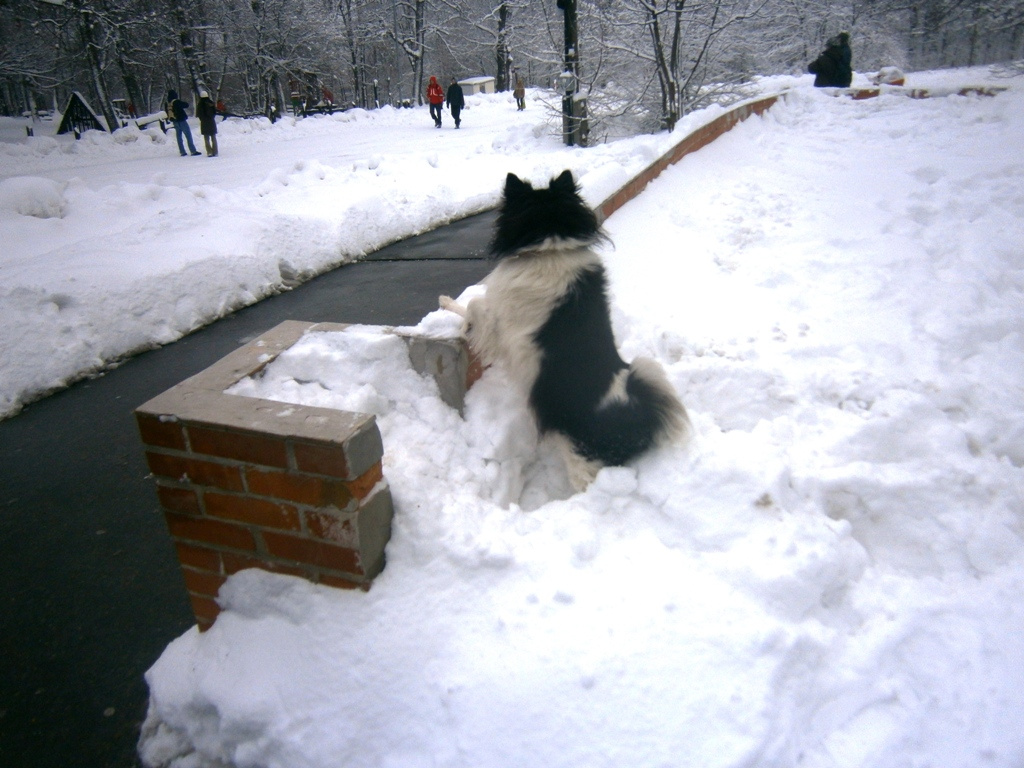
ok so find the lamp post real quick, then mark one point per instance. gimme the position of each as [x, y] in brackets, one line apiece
[567, 84]
[571, 36]
[573, 111]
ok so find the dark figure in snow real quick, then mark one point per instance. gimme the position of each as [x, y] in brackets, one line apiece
[175, 109]
[456, 101]
[435, 96]
[833, 68]
[206, 111]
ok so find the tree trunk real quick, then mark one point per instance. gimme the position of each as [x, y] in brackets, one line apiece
[421, 33]
[503, 60]
[195, 63]
[87, 23]
[355, 53]
[666, 65]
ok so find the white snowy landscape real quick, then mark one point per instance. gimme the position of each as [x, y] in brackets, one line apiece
[828, 575]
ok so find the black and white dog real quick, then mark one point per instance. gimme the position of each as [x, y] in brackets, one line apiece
[545, 320]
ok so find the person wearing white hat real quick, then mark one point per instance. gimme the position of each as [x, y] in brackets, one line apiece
[206, 111]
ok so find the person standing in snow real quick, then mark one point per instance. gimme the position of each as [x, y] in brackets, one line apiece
[834, 68]
[520, 93]
[175, 109]
[435, 96]
[206, 111]
[846, 59]
[456, 101]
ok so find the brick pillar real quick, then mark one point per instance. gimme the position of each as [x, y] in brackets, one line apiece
[245, 482]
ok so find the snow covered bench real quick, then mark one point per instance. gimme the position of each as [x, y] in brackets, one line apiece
[245, 482]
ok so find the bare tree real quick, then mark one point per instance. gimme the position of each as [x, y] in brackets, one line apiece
[27, 66]
[677, 44]
[350, 12]
[410, 32]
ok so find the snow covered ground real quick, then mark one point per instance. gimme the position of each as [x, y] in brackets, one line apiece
[829, 574]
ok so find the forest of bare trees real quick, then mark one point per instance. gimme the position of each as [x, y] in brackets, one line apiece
[642, 63]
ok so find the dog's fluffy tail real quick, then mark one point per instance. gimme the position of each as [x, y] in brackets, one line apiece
[647, 413]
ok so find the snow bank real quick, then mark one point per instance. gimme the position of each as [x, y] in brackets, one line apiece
[28, 196]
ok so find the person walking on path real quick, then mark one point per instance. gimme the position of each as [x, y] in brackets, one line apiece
[175, 109]
[456, 101]
[833, 68]
[206, 111]
[520, 93]
[435, 96]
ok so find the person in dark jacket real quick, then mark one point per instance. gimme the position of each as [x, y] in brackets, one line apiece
[834, 68]
[175, 109]
[206, 111]
[456, 101]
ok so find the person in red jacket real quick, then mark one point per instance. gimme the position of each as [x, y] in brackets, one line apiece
[435, 95]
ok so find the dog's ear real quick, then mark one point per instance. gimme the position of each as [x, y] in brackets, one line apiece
[514, 186]
[564, 182]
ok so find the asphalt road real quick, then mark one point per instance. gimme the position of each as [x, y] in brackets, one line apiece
[90, 590]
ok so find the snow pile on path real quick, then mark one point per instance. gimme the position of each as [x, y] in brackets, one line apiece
[829, 575]
[32, 196]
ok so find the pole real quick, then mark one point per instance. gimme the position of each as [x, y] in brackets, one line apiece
[398, 57]
[570, 67]
[571, 39]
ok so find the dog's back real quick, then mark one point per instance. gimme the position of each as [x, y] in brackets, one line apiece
[546, 320]
[610, 411]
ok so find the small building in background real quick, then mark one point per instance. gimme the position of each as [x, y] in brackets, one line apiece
[482, 84]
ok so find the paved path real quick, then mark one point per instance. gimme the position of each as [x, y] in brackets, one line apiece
[90, 591]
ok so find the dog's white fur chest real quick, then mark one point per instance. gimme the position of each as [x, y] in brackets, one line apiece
[522, 292]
